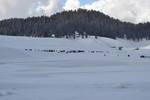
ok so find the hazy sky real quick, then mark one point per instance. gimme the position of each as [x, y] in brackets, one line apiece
[126, 10]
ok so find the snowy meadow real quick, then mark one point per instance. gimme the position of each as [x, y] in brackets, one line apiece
[68, 69]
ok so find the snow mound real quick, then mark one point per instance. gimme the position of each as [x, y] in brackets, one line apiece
[146, 47]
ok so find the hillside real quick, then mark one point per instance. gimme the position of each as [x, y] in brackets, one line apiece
[68, 22]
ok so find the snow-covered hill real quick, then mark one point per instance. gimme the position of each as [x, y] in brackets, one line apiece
[29, 71]
[101, 42]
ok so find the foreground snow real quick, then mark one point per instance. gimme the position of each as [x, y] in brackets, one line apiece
[107, 75]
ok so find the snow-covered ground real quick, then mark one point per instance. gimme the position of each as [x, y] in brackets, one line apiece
[28, 73]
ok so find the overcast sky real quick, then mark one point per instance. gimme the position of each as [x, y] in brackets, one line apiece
[126, 10]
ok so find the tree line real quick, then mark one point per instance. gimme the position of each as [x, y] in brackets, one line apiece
[66, 23]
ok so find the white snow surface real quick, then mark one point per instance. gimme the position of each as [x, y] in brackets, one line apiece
[107, 75]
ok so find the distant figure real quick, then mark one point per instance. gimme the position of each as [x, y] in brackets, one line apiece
[120, 48]
[128, 55]
[26, 49]
[30, 49]
[142, 56]
[137, 49]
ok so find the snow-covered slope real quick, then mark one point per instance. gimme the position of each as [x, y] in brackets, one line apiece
[29, 73]
[100, 43]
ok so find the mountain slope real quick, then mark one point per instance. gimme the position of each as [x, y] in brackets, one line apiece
[68, 22]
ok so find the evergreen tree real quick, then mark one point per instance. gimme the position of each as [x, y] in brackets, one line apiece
[66, 23]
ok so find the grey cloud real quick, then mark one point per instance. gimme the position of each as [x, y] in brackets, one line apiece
[24, 8]
[72, 5]
[127, 10]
